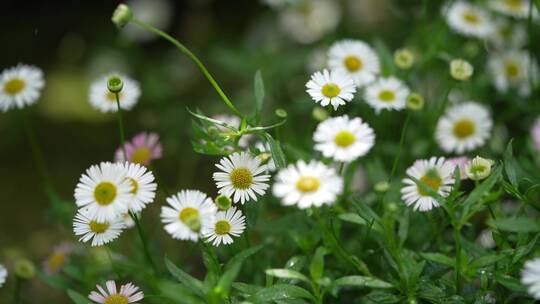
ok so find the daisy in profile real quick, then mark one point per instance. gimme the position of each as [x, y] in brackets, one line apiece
[20, 86]
[464, 127]
[105, 101]
[105, 191]
[142, 149]
[58, 258]
[530, 277]
[127, 294]
[435, 173]
[189, 212]
[227, 224]
[512, 69]
[344, 139]
[331, 87]
[234, 122]
[100, 232]
[508, 34]
[513, 8]
[241, 177]
[143, 186]
[307, 185]
[468, 19]
[3, 275]
[387, 93]
[356, 59]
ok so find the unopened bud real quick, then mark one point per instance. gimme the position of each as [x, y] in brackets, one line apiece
[122, 15]
[115, 84]
[461, 69]
[415, 102]
[403, 58]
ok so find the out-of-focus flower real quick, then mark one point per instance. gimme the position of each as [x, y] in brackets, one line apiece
[464, 127]
[158, 13]
[461, 69]
[100, 233]
[58, 258]
[514, 8]
[485, 239]
[127, 294]
[143, 148]
[415, 102]
[331, 87]
[460, 162]
[122, 15]
[344, 139]
[356, 59]
[508, 34]
[535, 133]
[24, 269]
[530, 276]
[403, 58]
[512, 69]
[3, 275]
[20, 86]
[387, 94]
[478, 168]
[468, 19]
[227, 224]
[105, 101]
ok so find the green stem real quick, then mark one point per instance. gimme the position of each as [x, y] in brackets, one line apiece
[196, 60]
[401, 142]
[457, 240]
[17, 290]
[144, 242]
[121, 126]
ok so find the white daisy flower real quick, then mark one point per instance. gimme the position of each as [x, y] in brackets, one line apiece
[344, 139]
[508, 34]
[100, 232]
[266, 155]
[128, 294]
[20, 86]
[307, 185]
[225, 225]
[514, 8]
[530, 276]
[105, 101]
[241, 178]
[105, 191]
[356, 59]
[189, 212]
[143, 185]
[512, 69]
[3, 275]
[464, 127]
[387, 93]
[436, 173]
[468, 19]
[331, 88]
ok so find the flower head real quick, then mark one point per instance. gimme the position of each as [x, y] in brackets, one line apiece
[122, 15]
[344, 139]
[387, 94]
[127, 294]
[468, 19]
[478, 168]
[142, 149]
[3, 275]
[530, 276]
[331, 87]
[307, 185]
[354, 58]
[58, 258]
[241, 177]
[514, 8]
[100, 232]
[143, 186]
[415, 102]
[461, 69]
[512, 69]
[403, 58]
[104, 100]
[227, 224]
[20, 86]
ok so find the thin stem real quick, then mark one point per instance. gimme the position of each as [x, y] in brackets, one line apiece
[401, 142]
[457, 240]
[144, 242]
[121, 126]
[196, 60]
[17, 290]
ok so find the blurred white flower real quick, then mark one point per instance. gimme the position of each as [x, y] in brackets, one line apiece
[512, 69]
[356, 59]
[3, 275]
[468, 19]
[485, 239]
[387, 94]
[530, 277]
[514, 8]
[508, 34]
[20, 86]
[158, 13]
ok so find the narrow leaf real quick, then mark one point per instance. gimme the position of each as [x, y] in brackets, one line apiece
[438, 258]
[316, 269]
[77, 297]
[277, 153]
[517, 224]
[286, 274]
[183, 277]
[281, 292]
[361, 281]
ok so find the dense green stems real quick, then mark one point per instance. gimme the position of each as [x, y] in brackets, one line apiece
[121, 126]
[144, 242]
[401, 142]
[192, 56]
[457, 240]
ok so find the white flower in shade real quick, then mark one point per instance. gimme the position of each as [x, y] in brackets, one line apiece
[307, 185]
[478, 168]
[234, 122]
[241, 178]
[435, 173]
[508, 34]
[512, 69]
[225, 225]
[333, 88]
[143, 186]
[100, 232]
[485, 239]
[105, 101]
[128, 294]
[530, 276]
[464, 127]
[356, 59]
[105, 191]
[158, 13]
[514, 8]
[468, 19]
[387, 93]
[344, 139]
[3, 275]
[20, 86]
[188, 213]
[265, 155]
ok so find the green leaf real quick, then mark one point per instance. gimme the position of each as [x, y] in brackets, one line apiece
[277, 153]
[289, 274]
[176, 292]
[232, 268]
[522, 251]
[516, 224]
[259, 95]
[510, 283]
[263, 128]
[477, 193]
[361, 281]
[212, 121]
[183, 277]
[280, 292]
[353, 218]
[486, 260]
[438, 258]
[316, 269]
[242, 256]
[246, 288]
[77, 297]
[510, 165]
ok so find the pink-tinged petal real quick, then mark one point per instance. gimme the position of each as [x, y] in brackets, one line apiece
[136, 297]
[96, 297]
[111, 286]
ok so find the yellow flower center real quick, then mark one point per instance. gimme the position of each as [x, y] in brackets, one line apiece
[14, 86]
[241, 178]
[56, 261]
[112, 97]
[471, 17]
[344, 139]
[464, 128]
[116, 299]
[432, 180]
[98, 227]
[105, 193]
[307, 184]
[190, 217]
[331, 90]
[135, 185]
[223, 227]
[141, 156]
[387, 96]
[511, 69]
[513, 4]
[353, 63]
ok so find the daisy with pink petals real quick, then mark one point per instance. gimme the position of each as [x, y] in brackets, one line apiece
[142, 149]
[461, 163]
[128, 294]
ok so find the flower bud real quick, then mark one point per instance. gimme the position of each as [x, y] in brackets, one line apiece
[319, 114]
[478, 168]
[281, 113]
[382, 186]
[115, 84]
[122, 15]
[461, 69]
[25, 269]
[403, 58]
[415, 102]
[223, 202]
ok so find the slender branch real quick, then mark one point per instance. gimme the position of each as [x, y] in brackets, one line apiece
[121, 126]
[401, 142]
[144, 242]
